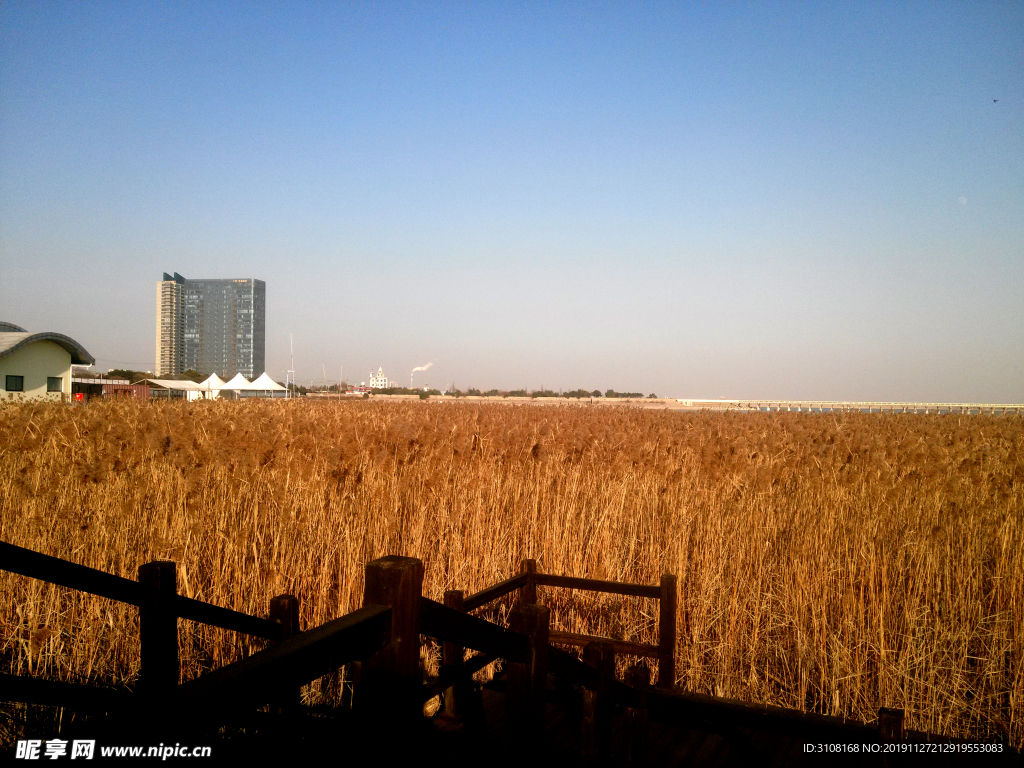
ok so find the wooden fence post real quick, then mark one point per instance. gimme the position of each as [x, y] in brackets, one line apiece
[595, 741]
[453, 657]
[527, 682]
[890, 724]
[158, 628]
[528, 592]
[667, 632]
[637, 731]
[284, 610]
[390, 681]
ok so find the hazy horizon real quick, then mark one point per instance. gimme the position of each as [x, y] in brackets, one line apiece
[730, 201]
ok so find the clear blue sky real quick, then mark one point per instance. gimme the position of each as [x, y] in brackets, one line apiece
[699, 200]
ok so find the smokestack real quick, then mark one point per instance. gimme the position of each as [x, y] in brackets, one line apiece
[418, 368]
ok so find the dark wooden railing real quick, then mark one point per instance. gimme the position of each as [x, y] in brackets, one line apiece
[289, 664]
[381, 642]
[82, 579]
[527, 581]
[155, 594]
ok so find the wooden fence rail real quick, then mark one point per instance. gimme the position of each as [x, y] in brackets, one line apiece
[494, 592]
[94, 582]
[530, 578]
[251, 682]
[381, 641]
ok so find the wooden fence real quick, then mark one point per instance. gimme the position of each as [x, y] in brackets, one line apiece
[381, 643]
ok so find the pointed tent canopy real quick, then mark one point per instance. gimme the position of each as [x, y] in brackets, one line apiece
[213, 382]
[173, 384]
[172, 388]
[212, 386]
[266, 384]
[237, 382]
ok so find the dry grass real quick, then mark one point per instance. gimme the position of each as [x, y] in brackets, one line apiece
[836, 563]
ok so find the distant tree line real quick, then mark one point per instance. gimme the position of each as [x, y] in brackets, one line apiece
[453, 391]
[190, 375]
[406, 391]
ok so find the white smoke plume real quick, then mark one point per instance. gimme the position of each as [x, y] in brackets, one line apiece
[421, 367]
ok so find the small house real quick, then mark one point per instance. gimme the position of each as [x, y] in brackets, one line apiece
[37, 366]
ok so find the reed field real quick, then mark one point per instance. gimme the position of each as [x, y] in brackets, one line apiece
[831, 562]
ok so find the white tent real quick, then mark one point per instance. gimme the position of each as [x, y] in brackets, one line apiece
[264, 386]
[233, 387]
[212, 386]
[173, 389]
[264, 382]
[237, 382]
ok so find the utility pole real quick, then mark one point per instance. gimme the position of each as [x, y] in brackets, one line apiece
[289, 381]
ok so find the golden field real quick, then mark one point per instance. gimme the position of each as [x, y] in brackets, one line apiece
[829, 562]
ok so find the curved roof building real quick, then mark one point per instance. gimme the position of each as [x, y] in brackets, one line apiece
[37, 365]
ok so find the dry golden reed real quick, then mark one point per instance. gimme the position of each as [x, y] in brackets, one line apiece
[835, 563]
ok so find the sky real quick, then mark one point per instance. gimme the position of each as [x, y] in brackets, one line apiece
[757, 200]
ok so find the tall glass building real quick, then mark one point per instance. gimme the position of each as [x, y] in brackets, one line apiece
[211, 326]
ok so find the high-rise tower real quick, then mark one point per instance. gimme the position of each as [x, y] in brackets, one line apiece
[222, 325]
[170, 339]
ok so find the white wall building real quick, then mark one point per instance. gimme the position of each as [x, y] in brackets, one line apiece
[379, 381]
[38, 365]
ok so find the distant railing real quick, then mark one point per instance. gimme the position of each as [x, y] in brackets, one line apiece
[851, 405]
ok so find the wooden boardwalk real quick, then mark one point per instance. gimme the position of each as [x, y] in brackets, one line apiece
[681, 742]
[490, 742]
[546, 707]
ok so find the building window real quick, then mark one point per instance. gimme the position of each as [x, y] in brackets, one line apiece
[54, 384]
[15, 384]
